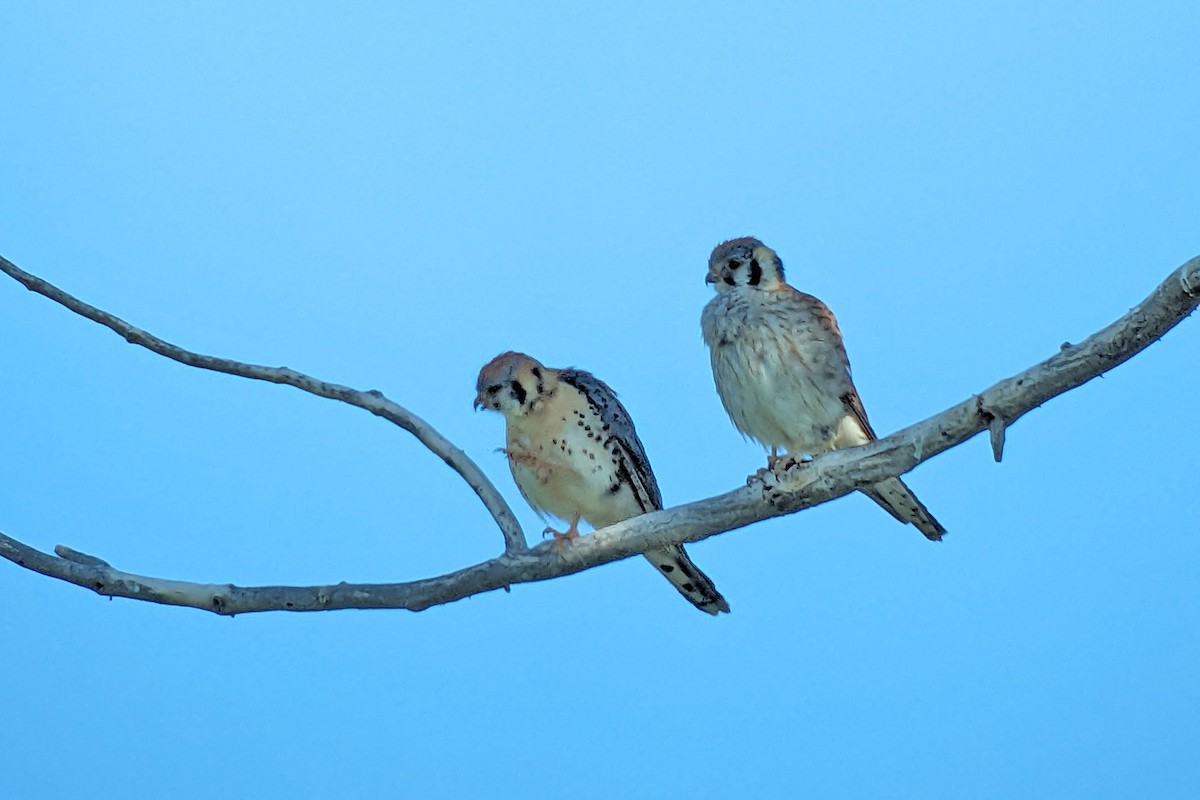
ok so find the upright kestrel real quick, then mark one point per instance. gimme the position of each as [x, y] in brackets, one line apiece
[782, 372]
[575, 454]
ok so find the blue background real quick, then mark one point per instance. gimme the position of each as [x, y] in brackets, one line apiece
[388, 196]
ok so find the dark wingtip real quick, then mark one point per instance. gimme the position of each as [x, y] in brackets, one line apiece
[934, 530]
[714, 605]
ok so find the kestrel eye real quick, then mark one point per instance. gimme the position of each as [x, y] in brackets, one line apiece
[734, 263]
[493, 389]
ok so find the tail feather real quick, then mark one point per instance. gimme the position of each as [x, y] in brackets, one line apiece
[899, 501]
[675, 565]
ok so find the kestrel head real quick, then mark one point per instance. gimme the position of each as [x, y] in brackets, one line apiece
[511, 382]
[744, 262]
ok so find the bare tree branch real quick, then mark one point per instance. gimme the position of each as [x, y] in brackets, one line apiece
[373, 401]
[828, 476]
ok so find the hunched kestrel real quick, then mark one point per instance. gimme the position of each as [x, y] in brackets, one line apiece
[575, 454]
[782, 372]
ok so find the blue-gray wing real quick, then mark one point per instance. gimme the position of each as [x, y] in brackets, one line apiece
[633, 467]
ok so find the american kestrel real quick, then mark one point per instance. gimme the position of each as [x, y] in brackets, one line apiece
[782, 372]
[575, 454]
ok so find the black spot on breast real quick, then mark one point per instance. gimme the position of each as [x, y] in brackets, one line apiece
[723, 342]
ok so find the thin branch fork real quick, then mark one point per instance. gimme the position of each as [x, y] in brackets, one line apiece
[373, 400]
[826, 477]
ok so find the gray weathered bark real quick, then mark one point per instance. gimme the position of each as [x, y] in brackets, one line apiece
[827, 477]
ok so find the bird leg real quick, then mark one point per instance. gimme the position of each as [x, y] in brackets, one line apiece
[519, 456]
[528, 459]
[562, 537]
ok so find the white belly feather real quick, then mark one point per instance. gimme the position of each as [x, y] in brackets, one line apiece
[767, 375]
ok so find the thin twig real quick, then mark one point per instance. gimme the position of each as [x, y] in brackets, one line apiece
[824, 478]
[373, 401]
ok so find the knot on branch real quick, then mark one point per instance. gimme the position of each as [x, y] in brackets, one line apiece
[68, 554]
[995, 424]
[1190, 280]
[767, 481]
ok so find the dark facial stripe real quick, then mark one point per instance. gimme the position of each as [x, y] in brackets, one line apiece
[755, 272]
[518, 392]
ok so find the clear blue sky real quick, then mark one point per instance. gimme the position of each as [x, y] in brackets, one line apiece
[388, 197]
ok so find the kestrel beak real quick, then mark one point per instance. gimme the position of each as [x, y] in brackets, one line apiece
[710, 278]
[478, 402]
